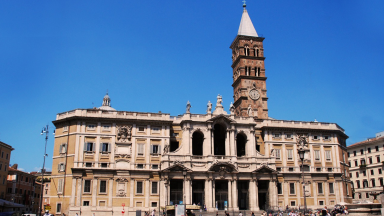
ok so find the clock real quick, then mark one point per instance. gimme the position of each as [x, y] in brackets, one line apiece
[254, 94]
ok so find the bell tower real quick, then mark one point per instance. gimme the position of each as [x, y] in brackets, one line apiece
[249, 80]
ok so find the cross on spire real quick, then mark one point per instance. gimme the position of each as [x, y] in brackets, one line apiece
[244, 3]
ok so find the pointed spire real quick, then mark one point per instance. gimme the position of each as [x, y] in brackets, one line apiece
[246, 27]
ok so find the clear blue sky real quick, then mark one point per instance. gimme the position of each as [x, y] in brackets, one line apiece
[324, 60]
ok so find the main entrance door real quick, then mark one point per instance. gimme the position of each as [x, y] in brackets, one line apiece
[221, 194]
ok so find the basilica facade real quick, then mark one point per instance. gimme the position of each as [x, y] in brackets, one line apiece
[109, 162]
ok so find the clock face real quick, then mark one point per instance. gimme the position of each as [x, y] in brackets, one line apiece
[254, 94]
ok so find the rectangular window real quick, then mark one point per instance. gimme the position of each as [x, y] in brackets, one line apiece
[328, 155]
[277, 154]
[155, 130]
[140, 166]
[105, 147]
[321, 202]
[377, 148]
[63, 148]
[318, 169]
[139, 187]
[6, 156]
[320, 188]
[361, 151]
[293, 203]
[141, 128]
[366, 195]
[370, 160]
[357, 174]
[381, 181]
[369, 150]
[358, 184]
[364, 173]
[61, 167]
[60, 186]
[356, 163]
[330, 170]
[65, 128]
[91, 127]
[153, 204]
[89, 147]
[291, 188]
[290, 169]
[154, 187]
[103, 186]
[104, 165]
[279, 188]
[155, 166]
[378, 159]
[154, 149]
[362, 162]
[379, 171]
[86, 203]
[317, 155]
[349, 154]
[290, 154]
[140, 149]
[276, 135]
[87, 186]
[365, 183]
[288, 136]
[331, 191]
[58, 207]
[354, 153]
[373, 182]
[106, 127]
[359, 195]
[315, 137]
[372, 172]
[2, 154]
[88, 164]
[326, 137]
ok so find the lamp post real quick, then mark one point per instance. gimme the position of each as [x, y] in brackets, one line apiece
[301, 155]
[44, 131]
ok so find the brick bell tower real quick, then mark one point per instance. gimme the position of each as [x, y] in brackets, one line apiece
[249, 81]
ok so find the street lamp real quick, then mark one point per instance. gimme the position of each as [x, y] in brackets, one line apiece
[301, 155]
[46, 132]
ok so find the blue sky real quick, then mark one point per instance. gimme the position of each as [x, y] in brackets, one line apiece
[324, 61]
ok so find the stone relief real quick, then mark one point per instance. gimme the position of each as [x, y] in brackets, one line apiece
[301, 141]
[166, 148]
[124, 133]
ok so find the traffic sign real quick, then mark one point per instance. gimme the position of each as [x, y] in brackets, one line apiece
[47, 207]
[123, 204]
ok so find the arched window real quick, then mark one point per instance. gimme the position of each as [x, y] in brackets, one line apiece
[246, 51]
[256, 72]
[241, 139]
[197, 143]
[257, 52]
[219, 136]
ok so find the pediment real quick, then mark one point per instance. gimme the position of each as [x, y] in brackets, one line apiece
[222, 118]
[177, 167]
[223, 166]
[264, 169]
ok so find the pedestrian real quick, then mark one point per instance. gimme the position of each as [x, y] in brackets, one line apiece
[153, 212]
[240, 214]
[253, 214]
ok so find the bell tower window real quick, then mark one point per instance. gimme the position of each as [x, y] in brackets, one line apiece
[246, 51]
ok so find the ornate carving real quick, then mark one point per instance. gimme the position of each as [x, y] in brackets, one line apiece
[250, 110]
[243, 165]
[122, 156]
[166, 148]
[124, 133]
[121, 179]
[121, 193]
[301, 141]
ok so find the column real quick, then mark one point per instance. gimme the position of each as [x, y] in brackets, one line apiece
[97, 150]
[285, 192]
[229, 195]
[162, 192]
[146, 193]
[73, 193]
[257, 208]
[208, 194]
[234, 195]
[112, 157]
[232, 142]
[251, 195]
[79, 189]
[314, 192]
[298, 194]
[326, 192]
[188, 191]
[212, 142]
[131, 192]
[94, 192]
[213, 195]
[227, 150]
[322, 156]
[110, 192]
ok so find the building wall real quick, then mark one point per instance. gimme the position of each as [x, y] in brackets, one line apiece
[5, 157]
[366, 164]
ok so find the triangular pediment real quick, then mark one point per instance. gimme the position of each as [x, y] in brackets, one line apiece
[222, 117]
[264, 169]
[177, 167]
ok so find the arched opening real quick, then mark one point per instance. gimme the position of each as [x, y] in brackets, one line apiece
[240, 143]
[219, 136]
[257, 52]
[197, 143]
